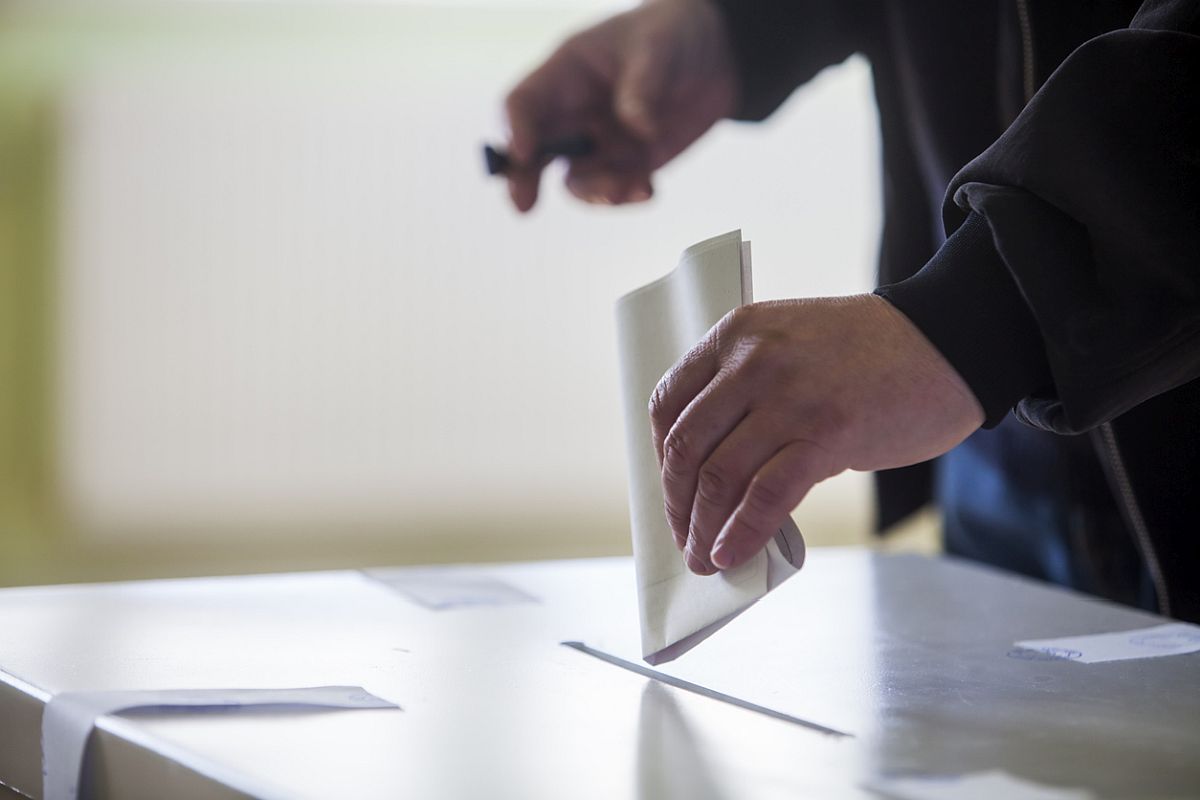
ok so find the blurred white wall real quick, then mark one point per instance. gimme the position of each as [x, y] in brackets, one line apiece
[293, 305]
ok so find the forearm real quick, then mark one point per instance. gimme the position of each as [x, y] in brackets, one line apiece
[1090, 203]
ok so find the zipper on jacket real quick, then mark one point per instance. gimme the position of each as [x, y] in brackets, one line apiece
[1110, 452]
[1028, 73]
[1127, 500]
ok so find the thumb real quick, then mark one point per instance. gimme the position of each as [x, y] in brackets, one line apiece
[639, 92]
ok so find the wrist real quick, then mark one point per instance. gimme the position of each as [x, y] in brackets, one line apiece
[927, 361]
[968, 305]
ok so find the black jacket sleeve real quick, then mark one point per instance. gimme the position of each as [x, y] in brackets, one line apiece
[1091, 201]
[778, 45]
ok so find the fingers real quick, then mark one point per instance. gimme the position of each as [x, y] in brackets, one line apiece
[575, 93]
[523, 188]
[595, 185]
[551, 101]
[702, 426]
[776, 488]
[678, 388]
[722, 480]
[681, 387]
[524, 121]
[617, 173]
[523, 110]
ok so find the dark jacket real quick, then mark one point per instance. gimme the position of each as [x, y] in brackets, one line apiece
[1057, 143]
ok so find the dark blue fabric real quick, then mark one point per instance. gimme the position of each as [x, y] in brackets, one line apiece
[990, 518]
[1010, 497]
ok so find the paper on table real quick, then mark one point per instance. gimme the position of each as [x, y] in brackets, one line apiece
[656, 325]
[441, 589]
[990, 785]
[69, 717]
[1172, 639]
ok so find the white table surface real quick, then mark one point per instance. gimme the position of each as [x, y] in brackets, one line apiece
[910, 656]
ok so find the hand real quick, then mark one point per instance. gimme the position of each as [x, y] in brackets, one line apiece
[644, 85]
[779, 396]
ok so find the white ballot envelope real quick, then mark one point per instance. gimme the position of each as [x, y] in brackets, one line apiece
[656, 325]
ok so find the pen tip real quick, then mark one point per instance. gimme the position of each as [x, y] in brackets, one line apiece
[496, 161]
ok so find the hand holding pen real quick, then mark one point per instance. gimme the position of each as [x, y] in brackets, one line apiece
[619, 100]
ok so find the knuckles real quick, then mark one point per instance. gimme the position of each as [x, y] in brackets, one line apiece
[735, 321]
[751, 339]
[658, 403]
[712, 484]
[750, 318]
[677, 451]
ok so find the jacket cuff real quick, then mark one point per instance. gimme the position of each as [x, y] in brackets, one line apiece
[968, 305]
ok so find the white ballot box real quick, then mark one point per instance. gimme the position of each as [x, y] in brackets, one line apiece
[874, 676]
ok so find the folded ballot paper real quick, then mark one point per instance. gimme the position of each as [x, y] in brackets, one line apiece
[656, 325]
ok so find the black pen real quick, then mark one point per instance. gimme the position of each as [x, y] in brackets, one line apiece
[499, 162]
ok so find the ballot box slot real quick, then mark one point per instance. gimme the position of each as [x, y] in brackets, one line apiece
[688, 686]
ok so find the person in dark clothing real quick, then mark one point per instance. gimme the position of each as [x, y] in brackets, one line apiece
[1037, 324]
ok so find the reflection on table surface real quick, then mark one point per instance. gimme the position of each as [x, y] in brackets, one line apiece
[911, 656]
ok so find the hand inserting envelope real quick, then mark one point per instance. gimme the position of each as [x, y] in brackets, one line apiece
[656, 325]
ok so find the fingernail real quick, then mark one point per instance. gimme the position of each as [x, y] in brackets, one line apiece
[723, 555]
[694, 564]
[639, 196]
